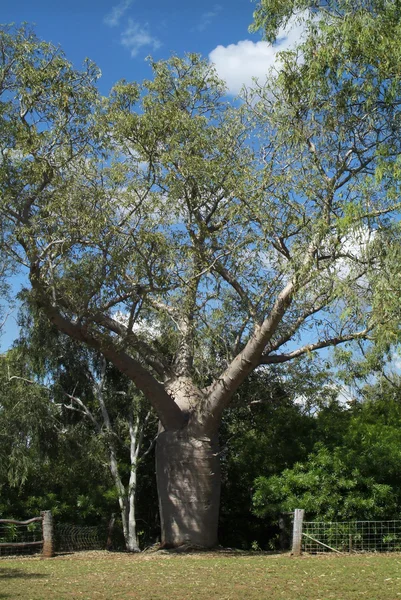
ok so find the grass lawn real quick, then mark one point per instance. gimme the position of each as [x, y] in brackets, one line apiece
[204, 576]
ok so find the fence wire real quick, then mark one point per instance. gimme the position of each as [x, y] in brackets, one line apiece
[73, 538]
[20, 538]
[351, 536]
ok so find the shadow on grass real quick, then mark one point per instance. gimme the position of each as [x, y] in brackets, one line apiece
[213, 552]
[6, 573]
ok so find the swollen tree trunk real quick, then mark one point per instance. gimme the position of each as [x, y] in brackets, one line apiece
[188, 480]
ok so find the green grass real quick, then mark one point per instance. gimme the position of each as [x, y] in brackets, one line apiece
[204, 576]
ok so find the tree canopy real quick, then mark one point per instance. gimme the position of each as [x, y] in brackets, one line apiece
[229, 231]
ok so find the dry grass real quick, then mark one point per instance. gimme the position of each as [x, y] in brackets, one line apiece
[204, 576]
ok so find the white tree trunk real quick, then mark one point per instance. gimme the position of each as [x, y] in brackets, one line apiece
[132, 538]
[126, 496]
[128, 519]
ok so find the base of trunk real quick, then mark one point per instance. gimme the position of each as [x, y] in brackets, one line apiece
[188, 479]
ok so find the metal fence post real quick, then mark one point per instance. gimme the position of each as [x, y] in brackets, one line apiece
[297, 532]
[48, 539]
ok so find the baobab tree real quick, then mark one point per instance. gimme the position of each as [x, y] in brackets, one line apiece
[244, 235]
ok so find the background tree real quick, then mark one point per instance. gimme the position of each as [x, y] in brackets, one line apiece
[85, 388]
[45, 464]
[353, 473]
[27, 427]
[241, 253]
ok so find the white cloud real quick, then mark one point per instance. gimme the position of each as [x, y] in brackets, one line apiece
[238, 64]
[313, 405]
[114, 16]
[354, 248]
[346, 395]
[395, 363]
[136, 36]
[207, 17]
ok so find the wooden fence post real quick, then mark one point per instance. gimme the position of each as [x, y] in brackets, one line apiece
[48, 539]
[297, 532]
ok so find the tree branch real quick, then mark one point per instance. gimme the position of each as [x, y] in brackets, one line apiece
[224, 386]
[271, 359]
[147, 352]
[84, 410]
[169, 412]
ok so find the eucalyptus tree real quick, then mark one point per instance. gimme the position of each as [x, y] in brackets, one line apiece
[228, 238]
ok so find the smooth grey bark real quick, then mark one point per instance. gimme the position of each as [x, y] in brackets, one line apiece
[188, 481]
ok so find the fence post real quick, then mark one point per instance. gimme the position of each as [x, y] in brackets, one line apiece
[297, 532]
[48, 539]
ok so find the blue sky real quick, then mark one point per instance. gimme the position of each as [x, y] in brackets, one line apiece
[118, 36]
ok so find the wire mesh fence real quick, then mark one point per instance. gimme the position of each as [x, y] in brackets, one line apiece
[75, 538]
[21, 537]
[26, 538]
[351, 536]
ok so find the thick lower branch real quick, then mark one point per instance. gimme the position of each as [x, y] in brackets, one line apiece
[168, 411]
